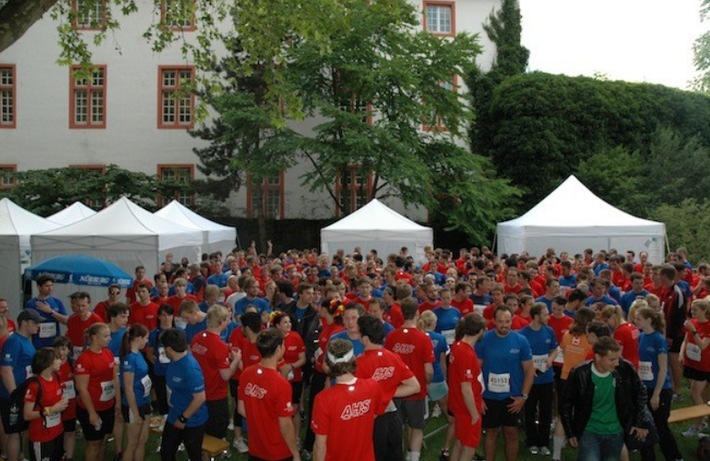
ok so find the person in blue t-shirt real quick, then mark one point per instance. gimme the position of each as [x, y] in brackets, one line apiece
[599, 287]
[195, 320]
[508, 373]
[655, 375]
[135, 392]
[155, 352]
[251, 288]
[352, 312]
[447, 317]
[16, 366]
[637, 290]
[186, 388]
[117, 321]
[543, 346]
[51, 310]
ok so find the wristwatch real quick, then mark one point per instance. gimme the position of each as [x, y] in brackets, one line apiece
[524, 396]
[182, 419]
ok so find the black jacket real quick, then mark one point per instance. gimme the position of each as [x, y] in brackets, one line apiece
[301, 326]
[579, 394]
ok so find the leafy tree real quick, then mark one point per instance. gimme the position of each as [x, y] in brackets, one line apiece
[377, 83]
[45, 192]
[686, 225]
[701, 52]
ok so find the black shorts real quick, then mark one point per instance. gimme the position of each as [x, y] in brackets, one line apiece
[497, 414]
[69, 425]
[127, 414]
[674, 347]
[296, 391]
[560, 391]
[108, 418]
[218, 421]
[412, 412]
[52, 450]
[13, 428]
[696, 375]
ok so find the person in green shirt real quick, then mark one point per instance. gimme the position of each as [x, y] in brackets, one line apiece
[604, 398]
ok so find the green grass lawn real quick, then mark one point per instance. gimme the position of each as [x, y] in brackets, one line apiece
[433, 443]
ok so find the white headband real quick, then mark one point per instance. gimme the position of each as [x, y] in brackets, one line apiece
[346, 358]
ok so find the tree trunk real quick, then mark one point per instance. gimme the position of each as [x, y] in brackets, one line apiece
[17, 16]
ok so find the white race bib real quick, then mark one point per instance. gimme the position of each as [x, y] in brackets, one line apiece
[147, 385]
[540, 362]
[68, 390]
[180, 323]
[693, 352]
[449, 335]
[53, 420]
[560, 358]
[162, 356]
[499, 383]
[108, 391]
[77, 351]
[47, 330]
[479, 308]
[28, 371]
[645, 371]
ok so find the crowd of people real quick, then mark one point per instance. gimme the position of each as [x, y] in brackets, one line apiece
[349, 356]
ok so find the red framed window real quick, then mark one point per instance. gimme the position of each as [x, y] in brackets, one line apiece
[357, 105]
[89, 15]
[271, 202]
[433, 121]
[8, 94]
[87, 98]
[353, 189]
[7, 181]
[177, 173]
[176, 102]
[179, 15]
[440, 18]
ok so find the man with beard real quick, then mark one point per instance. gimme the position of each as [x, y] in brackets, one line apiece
[508, 373]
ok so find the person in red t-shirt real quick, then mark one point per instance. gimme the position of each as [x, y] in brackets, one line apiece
[265, 402]
[80, 321]
[101, 309]
[293, 360]
[498, 296]
[462, 297]
[364, 293]
[45, 413]
[416, 350]
[180, 294]
[431, 301]
[7, 325]
[98, 388]
[138, 280]
[243, 339]
[344, 414]
[466, 388]
[396, 381]
[63, 346]
[218, 363]
[625, 333]
[695, 350]
[144, 310]
[512, 284]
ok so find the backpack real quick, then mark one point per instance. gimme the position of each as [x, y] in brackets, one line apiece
[17, 402]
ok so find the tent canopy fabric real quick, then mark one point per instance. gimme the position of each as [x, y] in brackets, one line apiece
[71, 214]
[215, 236]
[376, 226]
[124, 234]
[80, 270]
[16, 226]
[572, 218]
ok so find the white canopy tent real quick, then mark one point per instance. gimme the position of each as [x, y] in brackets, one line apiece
[216, 237]
[375, 226]
[572, 218]
[71, 214]
[124, 234]
[16, 225]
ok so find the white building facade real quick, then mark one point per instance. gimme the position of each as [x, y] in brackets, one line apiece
[125, 114]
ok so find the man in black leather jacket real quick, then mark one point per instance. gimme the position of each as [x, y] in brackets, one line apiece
[589, 420]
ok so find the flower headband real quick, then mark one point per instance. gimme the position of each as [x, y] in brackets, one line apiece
[274, 315]
[336, 311]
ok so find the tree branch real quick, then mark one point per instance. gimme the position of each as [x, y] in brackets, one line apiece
[17, 16]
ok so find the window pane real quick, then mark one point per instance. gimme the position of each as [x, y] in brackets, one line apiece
[438, 19]
[81, 106]
[6, 77]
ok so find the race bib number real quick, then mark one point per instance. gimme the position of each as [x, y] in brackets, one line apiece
[47, 330]
[449, 335]
[560, 358]
[68, 390]
[499, 383]
[108, 391]
[540, 362]
[53, 420]
[693, 352]
[28, 371]
[162, 356]
[645, 371]
[147, 385]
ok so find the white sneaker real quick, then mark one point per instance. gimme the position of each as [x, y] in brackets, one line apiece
[534, 450]
[436, 412]
[545, 451]
[241, 446]
[692, 431]
[231, 425]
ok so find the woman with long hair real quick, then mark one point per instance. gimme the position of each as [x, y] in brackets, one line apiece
[293, 360]
[136, 386]
[625, 333]
[696, 355]
[655, 374]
